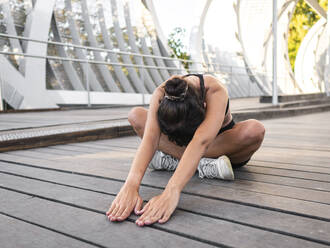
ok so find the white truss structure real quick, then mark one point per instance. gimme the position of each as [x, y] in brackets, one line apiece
[114, 52]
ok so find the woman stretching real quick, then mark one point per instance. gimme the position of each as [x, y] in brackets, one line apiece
[188, 127]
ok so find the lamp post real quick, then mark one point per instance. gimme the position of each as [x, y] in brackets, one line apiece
[327, 62]
[275, 96]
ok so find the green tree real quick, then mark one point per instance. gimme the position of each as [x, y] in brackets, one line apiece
[176, 43]
[304, 17]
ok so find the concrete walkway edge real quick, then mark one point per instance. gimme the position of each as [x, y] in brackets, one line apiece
[62, 134]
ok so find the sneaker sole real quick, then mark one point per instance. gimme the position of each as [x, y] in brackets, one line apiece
[228, 163]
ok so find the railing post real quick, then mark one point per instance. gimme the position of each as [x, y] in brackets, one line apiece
[1, 96]
[142, 79]
[250, 74]
[87, 80]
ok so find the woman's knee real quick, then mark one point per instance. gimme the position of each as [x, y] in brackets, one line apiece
[253, 133]
[137, 118]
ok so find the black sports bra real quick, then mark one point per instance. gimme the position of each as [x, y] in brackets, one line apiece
[201, 81]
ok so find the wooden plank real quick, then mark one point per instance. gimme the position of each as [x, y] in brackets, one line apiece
[312, 119]
[121, 158]
[60, 154]
[245, 174]
[294, 182]
[316, 139]
[57, 151]
[237, 213]
[287, 181]
[294, 145]
[304, 135]
[316, 176]
[284, 169]
[29, 154]
[90, 225]
[181, 222]
[90, 148]
[302, 193]
[71, 149]
[322, 142]
[269, 163]
[104, 147]
[132, 141]
[296, 156]
[72, 165]
[17, 233]
[209, 188]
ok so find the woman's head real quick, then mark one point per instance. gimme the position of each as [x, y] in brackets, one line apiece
[181, 111]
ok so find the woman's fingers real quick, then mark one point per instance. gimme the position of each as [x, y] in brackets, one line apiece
[153, 214]
[126, 200]
[138, 205]
[145, 208]
[127, 211]
[165, 218]
[121, 211]
[140, 221]
[114, 212]
[152, 219]
[112, 207]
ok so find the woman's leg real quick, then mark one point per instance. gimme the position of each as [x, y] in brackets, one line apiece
[238, 143]
[137, 118]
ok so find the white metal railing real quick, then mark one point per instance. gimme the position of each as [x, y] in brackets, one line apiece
[116, 51]
[215, 68]
[89, 61]
[133, 65]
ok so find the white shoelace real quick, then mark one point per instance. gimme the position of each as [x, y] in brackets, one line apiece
[168, 162]
[208, 169]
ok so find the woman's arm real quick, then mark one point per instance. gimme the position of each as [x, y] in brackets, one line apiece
[148, 145]
[128, 197]
[161, 207]
[216, 101]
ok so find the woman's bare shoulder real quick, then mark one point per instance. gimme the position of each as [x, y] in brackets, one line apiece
[214, 84]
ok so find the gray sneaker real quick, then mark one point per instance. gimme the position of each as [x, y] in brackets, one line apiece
[216, 168]
[163, 161]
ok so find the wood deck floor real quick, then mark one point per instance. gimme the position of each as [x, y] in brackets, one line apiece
[57, 196]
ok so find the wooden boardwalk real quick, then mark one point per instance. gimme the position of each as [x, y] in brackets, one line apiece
[57, 196]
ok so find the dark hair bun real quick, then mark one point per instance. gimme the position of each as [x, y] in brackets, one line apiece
[175, 86]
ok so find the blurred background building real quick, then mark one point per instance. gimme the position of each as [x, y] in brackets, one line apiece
[76, 52]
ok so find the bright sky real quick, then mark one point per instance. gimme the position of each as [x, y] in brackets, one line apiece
[178, 13]
[220, 23]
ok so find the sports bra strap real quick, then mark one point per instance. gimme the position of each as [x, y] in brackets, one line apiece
[201, 81]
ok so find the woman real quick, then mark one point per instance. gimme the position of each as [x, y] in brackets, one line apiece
[188, 119]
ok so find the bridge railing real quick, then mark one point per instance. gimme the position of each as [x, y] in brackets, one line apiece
[238, 79]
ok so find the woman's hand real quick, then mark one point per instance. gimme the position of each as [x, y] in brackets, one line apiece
[159, 208]
[122, 206]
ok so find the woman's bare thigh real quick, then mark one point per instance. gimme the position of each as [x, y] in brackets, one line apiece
[238, 143]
